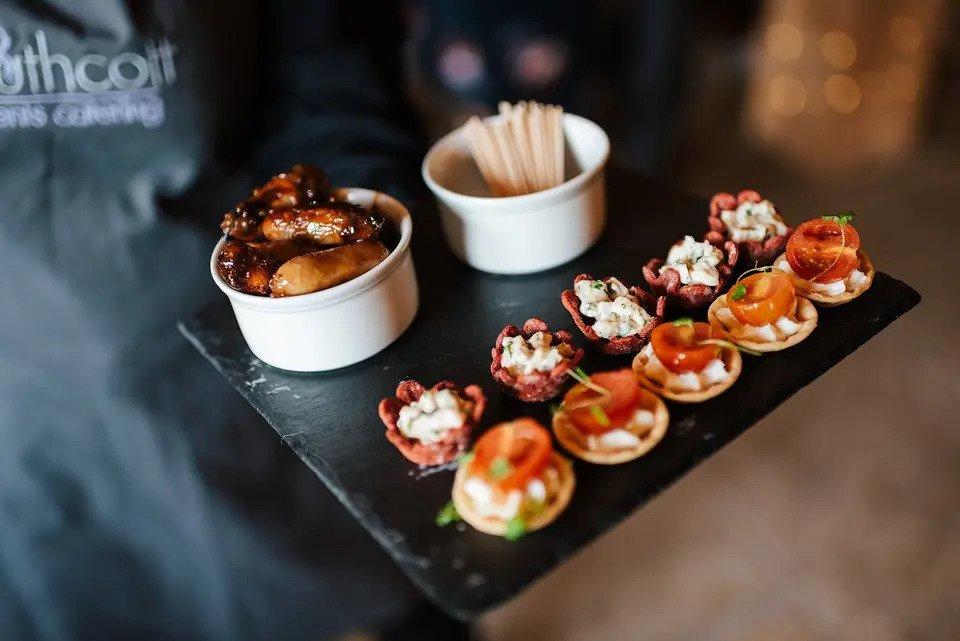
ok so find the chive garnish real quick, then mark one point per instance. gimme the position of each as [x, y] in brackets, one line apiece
[500, 468]
[601, 417]
[516, 527]
[448, 514]
[729, 345]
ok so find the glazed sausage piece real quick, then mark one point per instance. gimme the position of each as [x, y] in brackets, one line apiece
[332, 223]
[280, 251]
[302, 186]
[323, 269]
[247, 267]
[243, 221]
[244, 268]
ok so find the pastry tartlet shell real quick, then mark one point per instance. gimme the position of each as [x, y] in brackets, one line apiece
[806, 315]
[803, 286]
[731, 360]
[567, 435]
[498, 527]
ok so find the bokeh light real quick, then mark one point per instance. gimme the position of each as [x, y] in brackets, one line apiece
[786, 95]
[842, 93]
[838, 49]
[784, 41]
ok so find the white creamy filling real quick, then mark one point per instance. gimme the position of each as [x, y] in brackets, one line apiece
[623, 438]
[490, 503]
[522, 356]
[753, 221]
[782, 329]
[854, 280]
[427, 418]
[616, 310]
[695, 262]
[715, 372]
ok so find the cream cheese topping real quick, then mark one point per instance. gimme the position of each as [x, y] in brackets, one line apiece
[715, 372]
[623, 438]
[536, 354]
[490, 503]
[427, 418]
[851, 283]
[616, 310]
[695, 262]
[753, 221]
[782, 329]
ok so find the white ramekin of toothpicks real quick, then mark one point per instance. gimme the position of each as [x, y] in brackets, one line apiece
[521, 191]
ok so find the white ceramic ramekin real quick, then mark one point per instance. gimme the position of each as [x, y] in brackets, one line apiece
[521, 234]
[339, 326]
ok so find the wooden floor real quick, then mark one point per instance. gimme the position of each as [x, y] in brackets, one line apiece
[835, 518]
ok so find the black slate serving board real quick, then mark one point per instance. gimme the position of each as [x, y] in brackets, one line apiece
[331, 422]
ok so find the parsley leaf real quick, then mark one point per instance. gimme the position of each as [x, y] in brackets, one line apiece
[448, 514]
[516, 527]
[738, 292]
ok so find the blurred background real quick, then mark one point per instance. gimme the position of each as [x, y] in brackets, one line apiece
[833, 518]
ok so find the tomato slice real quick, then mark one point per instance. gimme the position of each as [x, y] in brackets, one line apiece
[767, 297]
[823, 251]
[615, 408]
[512, 453]
[680, 348]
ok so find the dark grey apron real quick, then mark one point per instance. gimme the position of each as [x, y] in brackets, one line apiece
[109, 425]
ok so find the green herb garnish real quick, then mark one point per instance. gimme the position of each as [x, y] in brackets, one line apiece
[584, 379]
[754, 270]
[448, 514]
[729, 345]
[599, 284]
[500, 468]
[601, 417]
[465, 458]
[842, 218]
[680, 322]
[516, 527]
[738, 292]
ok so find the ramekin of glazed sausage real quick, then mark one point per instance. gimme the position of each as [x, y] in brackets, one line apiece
[319, 278]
